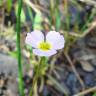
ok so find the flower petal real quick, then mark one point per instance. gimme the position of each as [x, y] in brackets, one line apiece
[34, 38]
[44, 53]
[55, 39]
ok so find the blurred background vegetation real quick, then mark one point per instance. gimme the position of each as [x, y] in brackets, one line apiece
[73, 69]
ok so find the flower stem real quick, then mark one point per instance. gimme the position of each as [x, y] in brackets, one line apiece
[20, 74]
[37, 76]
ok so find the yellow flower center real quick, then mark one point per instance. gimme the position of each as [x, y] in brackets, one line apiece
[45, 46]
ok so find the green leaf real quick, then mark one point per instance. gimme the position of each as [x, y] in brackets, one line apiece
[38, 22]
[13, 54]
[9, 5]
[94, 94]
[1, 2]
[23, 17]
[30, 13]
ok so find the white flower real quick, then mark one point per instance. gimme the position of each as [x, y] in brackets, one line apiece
[45, 45]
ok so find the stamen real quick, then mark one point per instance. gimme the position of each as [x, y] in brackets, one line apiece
[45, 46]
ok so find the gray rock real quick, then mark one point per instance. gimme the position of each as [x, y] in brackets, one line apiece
[8, 64]
[92, 42]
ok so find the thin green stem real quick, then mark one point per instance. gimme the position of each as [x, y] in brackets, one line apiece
[57, 16]
[38, 74]
[66, 10]
[20, 74]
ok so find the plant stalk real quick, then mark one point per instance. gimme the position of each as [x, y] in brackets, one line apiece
[20, 73]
